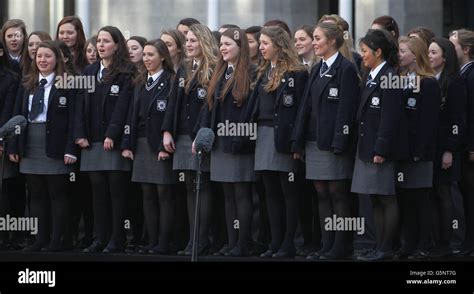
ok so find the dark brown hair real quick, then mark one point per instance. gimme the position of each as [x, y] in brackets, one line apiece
[80, 60]
[389, 24]
[240, 81]
[163, 51]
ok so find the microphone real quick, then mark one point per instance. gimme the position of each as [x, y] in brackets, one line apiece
[13, 127]
[204, 140]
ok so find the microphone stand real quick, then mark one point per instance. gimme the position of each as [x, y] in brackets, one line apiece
[195, 251]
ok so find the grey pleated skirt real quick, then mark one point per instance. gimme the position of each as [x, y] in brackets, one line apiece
[231, 168]
[370, 178]
[413, 175]
[325, 165]
[184, 159]
[266, 156]
[97, 159]
[148, 169]
[35, 160]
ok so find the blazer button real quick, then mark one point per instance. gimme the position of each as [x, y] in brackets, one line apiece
[188, 117]
[362, 123]
[276, 114]
[362, 135]
[276, 127]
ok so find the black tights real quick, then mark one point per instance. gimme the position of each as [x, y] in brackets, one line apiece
[159, 212]
[13, 202]
[109, 192]
[415, 218]
[50, 204]
[205, 205]
[238, 206]
[334, 199]
[386, 217]
[443, 216]
[282, 199]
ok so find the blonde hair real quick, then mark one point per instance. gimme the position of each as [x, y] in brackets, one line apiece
[418, 47]
[348, 46]
[288, 59]
[209, 59]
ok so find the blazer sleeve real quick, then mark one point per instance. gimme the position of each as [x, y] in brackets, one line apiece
[347, 108]
[389, 118]
[129, 129]
[302, 117]
[79, 115]
[71, 147]
[9, 103]
[470, 104]
[12, 147]
[457, 105]
[428, 117]
[115, 129]
[171, 112]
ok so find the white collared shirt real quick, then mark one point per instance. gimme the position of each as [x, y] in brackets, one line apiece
[331, 59]
[155, 76]
[47, 89]
[100, 70]
[374, 72]
[466, 65]
[438, 75]
[16, 58]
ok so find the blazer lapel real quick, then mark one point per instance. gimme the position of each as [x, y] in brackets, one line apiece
[369, 89]
[162, 84]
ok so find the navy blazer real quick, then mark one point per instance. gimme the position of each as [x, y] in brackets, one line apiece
[8, 90]
[190, 103]
[337, 102]
[288, 96]
[452, 117]
[230, 111]
[59, 123]
[378, 117]
[468, 76]
[115, 105]
[419, 113]
[157, 108]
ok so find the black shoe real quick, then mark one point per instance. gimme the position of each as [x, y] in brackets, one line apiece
[112, 248]
[95, 247]
[418, 255]
[36, 247]
[224, 251]
[331, 255]
[377, 256]
[440, 253]
[84, 243]
[267, 254]
[237, 251]
[465, 252]
[403, 254]
[285, 253]
[160, 250]
[187, 251]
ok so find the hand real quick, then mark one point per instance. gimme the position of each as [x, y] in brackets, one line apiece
[447, 160]
[14, 158]
[1, 150]
[378, 159]
[163, 155]
[168, 142]
[108, 144]
[127, 154]
[193, 148]
[296, 156]
[69, 160]
[471, 157]
[82, 142]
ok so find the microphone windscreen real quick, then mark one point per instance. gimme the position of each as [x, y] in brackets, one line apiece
[204, 140]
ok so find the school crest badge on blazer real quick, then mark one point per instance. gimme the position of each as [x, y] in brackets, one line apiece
[62, 101]
[333, 92]
[202, 93]
[288, 99]
[411, 102]
[161, 105]
[114, 89]
[375, 101]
